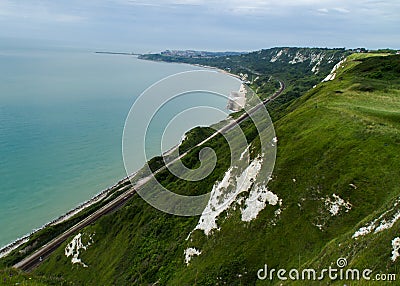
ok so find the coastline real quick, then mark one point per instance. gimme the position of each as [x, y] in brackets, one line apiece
[236, 101]
[218, 70]
[5, 250]
[196, 65]
[102, 195]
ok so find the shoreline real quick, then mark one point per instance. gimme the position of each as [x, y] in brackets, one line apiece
[196, 65]
[218, 70]
[8, 248]
[236, 101]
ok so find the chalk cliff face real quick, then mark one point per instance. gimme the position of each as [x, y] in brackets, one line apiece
[299, 68]
[332, 199]
[313, 60]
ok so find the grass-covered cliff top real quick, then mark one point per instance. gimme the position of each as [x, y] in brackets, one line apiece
[336, 172]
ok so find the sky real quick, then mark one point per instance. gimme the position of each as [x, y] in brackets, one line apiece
[214, 25]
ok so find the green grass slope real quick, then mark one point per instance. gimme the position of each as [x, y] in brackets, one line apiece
[299, 68]
[337, 170]
[11, 277]
[338, 139]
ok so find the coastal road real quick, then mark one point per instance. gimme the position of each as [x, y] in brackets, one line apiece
[32, 261]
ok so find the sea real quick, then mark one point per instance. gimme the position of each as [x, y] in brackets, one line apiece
[62, 114]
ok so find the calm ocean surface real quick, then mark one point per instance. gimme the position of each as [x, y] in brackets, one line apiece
[62, 114]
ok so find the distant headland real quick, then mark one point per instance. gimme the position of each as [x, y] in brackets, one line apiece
[117, 53]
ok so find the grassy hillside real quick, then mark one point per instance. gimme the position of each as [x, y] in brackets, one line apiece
[340, 139]
[11, 277]
[299, 68]
[337, 171]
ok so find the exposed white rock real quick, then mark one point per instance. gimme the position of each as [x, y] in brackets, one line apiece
[315, 69]
[383, 222]
[365, 230]
[316, 58]
[332, 75]
[257, 201]
[353, 186]
[278, 55]
[74, 247]
[221, 199]
[214, 208]
[242, 156]
[336, 204]
[396, 248]
[189, 253]
[244, 77]
[245, 180]
[298, 58]
[386, 224]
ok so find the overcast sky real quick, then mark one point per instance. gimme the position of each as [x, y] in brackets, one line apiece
[154, 25]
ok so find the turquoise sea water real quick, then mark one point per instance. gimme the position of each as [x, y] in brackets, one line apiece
[62, 114]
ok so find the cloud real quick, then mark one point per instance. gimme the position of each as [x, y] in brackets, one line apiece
[37, 12]
[341, 10]
[247, 7]
[334, 10]
[201, 23]
[274, 6]
[62, 11]
[323, 10]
